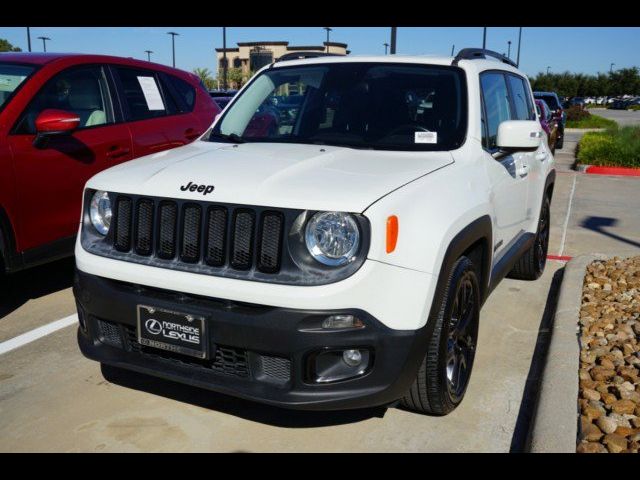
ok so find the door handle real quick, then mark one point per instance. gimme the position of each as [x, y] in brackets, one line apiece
[541, 156]
[116, 151]
[523, 171]
[191, 134]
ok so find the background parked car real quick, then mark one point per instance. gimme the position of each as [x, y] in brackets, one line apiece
[575, 101]
[618, 104]
[64, 118]
[557, 112]
[549, 124]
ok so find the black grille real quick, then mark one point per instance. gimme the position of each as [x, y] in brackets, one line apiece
[199, 234]
[168, 216]
[110, 333]
[122, 234]
[144, 227]
[228, 361]
[242, 244]
[191, 221]
[216, 236]
[277, 368]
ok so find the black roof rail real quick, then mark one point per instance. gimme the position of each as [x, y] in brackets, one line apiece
[303, 55]
[475, 53]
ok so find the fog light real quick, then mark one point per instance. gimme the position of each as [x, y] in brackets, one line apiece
[353, 358]
[335, 365]
[337, 322]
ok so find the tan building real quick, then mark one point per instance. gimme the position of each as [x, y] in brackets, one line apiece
[252, 56]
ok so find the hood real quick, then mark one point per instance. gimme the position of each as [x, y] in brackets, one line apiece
[281, 175]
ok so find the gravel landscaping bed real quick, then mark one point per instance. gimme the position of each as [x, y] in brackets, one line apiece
[609, 372]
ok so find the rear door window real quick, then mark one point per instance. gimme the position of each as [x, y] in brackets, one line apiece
[142, 94]
[185, 91]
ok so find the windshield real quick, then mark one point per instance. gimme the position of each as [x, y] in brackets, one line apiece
[11, 76]
[550, 100]
[360, 105]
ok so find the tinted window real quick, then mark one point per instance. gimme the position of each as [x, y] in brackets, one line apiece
[395, 107]
[521, 98]
[185, 90]
[12, 76]
[142, 94]
[82, 91]
[496, 105]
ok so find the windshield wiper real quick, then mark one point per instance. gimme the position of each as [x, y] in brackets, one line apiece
[231, 137]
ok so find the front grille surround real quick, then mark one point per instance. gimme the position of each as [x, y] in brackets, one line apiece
[256, 243]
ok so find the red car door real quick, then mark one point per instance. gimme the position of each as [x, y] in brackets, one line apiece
[154, 118]
[50, 179]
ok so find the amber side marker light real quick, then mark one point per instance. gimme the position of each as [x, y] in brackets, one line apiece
[392, 233]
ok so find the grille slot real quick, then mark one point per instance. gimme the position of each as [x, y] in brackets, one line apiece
[168, 217]
[122, 234]
[270, 242]
[144, 227]
[242, 244]
[216, 236]
[198, 236]
[191, 220]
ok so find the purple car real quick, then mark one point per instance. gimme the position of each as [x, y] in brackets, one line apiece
[549, 124]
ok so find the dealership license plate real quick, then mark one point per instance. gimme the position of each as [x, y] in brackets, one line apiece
[173, 331]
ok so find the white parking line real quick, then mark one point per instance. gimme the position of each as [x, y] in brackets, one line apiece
[566, 220]
[37, 333]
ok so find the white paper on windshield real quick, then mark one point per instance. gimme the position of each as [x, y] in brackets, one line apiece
[151, 93]
[426, 137]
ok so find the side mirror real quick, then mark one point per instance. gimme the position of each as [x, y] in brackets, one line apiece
[53, 122]
[518, 136]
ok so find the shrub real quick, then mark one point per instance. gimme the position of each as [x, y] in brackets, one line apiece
[614, 147]
[576, 114]
[591, 121]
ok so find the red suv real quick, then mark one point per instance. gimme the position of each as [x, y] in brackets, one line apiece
[64, 118]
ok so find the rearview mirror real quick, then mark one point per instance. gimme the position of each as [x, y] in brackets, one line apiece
[518, 136]
[53, 122]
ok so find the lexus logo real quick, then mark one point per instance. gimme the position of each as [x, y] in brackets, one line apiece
[153, 326]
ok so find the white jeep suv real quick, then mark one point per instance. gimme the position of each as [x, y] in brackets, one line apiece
[330, 241]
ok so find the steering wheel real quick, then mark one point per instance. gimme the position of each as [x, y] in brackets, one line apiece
[407, 128]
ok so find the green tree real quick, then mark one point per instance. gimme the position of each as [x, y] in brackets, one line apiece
[5, 46]
[207, 78]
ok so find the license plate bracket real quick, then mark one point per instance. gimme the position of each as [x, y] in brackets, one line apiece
[178, 332]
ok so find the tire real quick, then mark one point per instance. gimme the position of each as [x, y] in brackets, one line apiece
[433, 391]
[531, 265]
[560, 141]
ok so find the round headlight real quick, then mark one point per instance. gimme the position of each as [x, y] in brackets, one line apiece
[332, 237]
[100, 211]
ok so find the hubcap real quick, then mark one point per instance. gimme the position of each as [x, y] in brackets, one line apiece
[461, 342]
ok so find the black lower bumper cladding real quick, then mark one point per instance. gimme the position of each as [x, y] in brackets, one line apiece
[255, 352]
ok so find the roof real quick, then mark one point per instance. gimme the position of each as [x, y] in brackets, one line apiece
[34, 58]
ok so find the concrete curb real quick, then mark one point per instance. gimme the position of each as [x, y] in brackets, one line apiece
[555, 425]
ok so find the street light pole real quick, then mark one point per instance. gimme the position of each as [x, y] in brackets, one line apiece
[328, 29]
[173, 46]
[224, 58]
[386, 46]
[548, 70]
[484, 37]
[509, 49]
[519, 39]
[611, 68]
[44, 42]
[149, 52]
[29, 38]
[453, 47]
[394, 32]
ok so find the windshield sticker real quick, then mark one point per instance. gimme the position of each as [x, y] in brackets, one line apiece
[426, 137]
[151, 93]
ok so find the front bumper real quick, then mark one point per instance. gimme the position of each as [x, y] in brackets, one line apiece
[258, 352]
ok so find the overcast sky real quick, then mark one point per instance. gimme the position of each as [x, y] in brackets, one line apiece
[586, 50]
